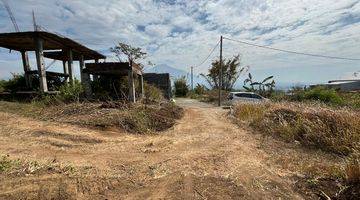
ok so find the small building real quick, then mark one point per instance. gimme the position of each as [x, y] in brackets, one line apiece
[161, 81]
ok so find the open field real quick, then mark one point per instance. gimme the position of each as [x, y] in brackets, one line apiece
[204, 156]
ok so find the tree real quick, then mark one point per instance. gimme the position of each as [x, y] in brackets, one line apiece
[133, 54]
[181, 88]
[231, 73]
[264, 87]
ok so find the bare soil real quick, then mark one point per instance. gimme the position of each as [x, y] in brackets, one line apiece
[204, 156]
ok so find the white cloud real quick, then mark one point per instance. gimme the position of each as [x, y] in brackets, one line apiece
[181, 33]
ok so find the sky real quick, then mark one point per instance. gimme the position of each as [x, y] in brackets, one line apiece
[181, 33]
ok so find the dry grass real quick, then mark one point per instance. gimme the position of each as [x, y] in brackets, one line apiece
[353, 170]
[134, 118]
[335, 130]
[20, 167]
[312, 125]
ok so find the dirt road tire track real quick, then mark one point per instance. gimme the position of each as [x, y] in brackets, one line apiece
[205, 156]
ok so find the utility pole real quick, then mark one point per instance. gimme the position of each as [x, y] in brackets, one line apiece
[221, 71]
[192, 78]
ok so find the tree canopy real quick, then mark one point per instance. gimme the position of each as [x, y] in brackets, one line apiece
[132, 53]
[231, 71]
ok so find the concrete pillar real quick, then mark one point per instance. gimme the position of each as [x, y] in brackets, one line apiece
[70, 66]
[132, 97]
[142, 86]
[96, 77]
[26, 66]
[85, 78]
[40, 64]
[66, 70]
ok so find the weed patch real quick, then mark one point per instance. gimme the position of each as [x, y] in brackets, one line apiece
[133, 118]
[331, 130]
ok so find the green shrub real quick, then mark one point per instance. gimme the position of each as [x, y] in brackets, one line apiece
[181, 88]
[5, 163]
[323, 95]
[16, 83]
[200, 89]
[71, 92]
[152, 93]
[320, 94]
[2, 84]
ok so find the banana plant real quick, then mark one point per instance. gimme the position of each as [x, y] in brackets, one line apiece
[249, 80]
[264, 87]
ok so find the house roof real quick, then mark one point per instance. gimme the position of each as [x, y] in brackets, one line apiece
[24, 41]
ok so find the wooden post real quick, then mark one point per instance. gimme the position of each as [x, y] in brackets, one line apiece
[142, 86]
[192, 78]
[70, 66]
[66, 70]
[26, 66]
[221, 71]
[132, 96]
[40, 64]
[85, 78]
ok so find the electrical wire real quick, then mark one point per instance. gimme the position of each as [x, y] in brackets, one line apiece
[211, 52]
[292, 52]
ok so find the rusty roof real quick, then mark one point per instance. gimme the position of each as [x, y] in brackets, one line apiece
[24, 41]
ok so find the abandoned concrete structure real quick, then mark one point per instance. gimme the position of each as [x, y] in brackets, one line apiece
[115, 70]
[52, 46]
[56, 47]
[162, 81]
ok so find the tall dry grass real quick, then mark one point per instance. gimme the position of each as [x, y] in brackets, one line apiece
[316, 126]
[335, 130]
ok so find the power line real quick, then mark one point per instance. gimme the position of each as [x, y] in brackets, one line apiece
[211, 52]
[293, 52]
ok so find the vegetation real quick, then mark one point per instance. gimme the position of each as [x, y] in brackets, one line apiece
[320, 127]
[323, 95]
[181, 88]
[70, 92]
[25, 167]
[14, 84]
[231, 73]
[134, 118]
[264, 87]
[152, 94]
[200, 89]
[332, 130]
[133, 54]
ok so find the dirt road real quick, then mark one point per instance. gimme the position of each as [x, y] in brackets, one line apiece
[205, 156]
